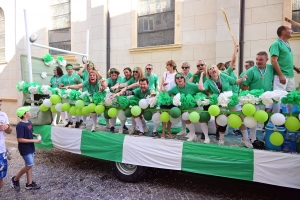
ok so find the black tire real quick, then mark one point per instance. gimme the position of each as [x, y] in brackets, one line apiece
[127, 172]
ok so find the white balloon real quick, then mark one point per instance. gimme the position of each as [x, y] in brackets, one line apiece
[143, 103]
[156, 118]
[185, 116]
[58, 107]
[278, 119]
[250, 122]
[121, 115]
[47, 103]
[175, 120]
[222, 120]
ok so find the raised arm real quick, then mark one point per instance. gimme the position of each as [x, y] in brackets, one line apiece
[233, 59]
[296, 24]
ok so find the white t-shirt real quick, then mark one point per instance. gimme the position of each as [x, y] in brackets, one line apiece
[3, 120]
[170, 79]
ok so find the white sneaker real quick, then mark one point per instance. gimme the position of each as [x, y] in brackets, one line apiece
[192, 137]
[121, 130]
[182, 133]
[146, 129]
[107, 126]
[221, 142]
[206, 141]
[53, 124]
[247, 143]
[93, 128]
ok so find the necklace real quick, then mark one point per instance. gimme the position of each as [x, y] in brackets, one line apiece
[262, 73]
[286, 44]
[144, 93]
[218, 84]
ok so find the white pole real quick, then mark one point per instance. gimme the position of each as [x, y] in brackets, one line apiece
[56, 49]
[28, 53]
[87, 45]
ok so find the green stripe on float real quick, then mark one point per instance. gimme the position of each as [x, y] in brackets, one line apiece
[106, 146]
[224, 161]
[45, 132]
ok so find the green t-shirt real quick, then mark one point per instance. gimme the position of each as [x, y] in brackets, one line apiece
[70, 80]
[190, 88]
[229, 71]
[85, 75]
[141, 95]
[124, 79]
[112, 83]
[153, 81]
[285, 57]
[196, 78]
[132, 81]
[54, 81]
[226, 81]
[91, 88]
[255, 80]
[189, 75]
[243, 73]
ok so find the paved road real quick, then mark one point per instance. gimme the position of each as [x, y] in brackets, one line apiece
[68, 176]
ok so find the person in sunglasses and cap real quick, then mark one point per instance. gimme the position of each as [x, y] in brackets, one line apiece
[201, 67]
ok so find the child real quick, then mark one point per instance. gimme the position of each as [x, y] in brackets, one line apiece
[26, 147]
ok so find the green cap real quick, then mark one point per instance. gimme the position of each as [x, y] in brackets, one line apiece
[21, 111]
[69, 67]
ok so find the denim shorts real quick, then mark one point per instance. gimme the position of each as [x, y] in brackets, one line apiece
[29, 159]
[3, 165]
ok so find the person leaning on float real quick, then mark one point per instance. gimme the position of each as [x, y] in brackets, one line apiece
[93, 85]
[84, 72]
[216, 83]
[127, 76]
[67, 80]
[141, 93]
[133, 83]
[182, 87]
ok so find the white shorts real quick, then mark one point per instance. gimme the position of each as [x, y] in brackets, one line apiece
[288, 86]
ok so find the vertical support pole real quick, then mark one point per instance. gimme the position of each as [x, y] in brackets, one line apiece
[87, 45]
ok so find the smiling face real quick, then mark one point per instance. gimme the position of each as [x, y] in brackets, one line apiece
[55, 72]
[90, 67]
[261, 61]
[179, 79]
[201, 66]
[144, 86]
[70, 71]
[149, 69]
[288, 32]
[185, 69]
[92, 77]
[127, 73]
[113, 75]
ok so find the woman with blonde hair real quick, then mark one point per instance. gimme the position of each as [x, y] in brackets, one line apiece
[84, 72]
[185, 66]
[133, 83]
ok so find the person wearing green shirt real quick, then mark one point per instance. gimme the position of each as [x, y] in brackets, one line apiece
[127, 76]
[183, 87]
[216, 83]
[152, 78]
[185, 66]
[84, 72]
[201, 67]
[133, 83]
[260, 76]
[230, 67]
[248, 64]
[283, 63]
[54, 83]
[93, 85]
[67, 80]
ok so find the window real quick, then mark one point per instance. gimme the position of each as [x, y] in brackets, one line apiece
[60, 28]
[155, 22]
[296, 13]
[2, 35]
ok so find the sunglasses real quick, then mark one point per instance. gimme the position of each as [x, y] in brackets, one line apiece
[201, 65]
[148, 68]
[135, 71]
[179, 77]
[184, 67]
[113, 72]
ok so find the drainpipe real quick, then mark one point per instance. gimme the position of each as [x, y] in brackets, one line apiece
[241, 32]
[107, 38]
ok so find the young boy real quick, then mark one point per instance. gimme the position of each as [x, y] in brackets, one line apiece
[4, 127]
[26, 148]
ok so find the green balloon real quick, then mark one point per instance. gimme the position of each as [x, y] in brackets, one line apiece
[292, 124]
[148, 115]
[43, 108]
[261, 116]
[99, 109]
[194, 117]
[85, 110]
[204, 117]
[164, 117]
[79, 104]
[53, 110]
[72, 110]
[175, 112]
[92, 107]
[106, 114]
[113, 112]
[136, 110]
[79, 112]
[276, 139]
[127, 112]
[248, 110]
[55, 99]
[234, 121]
[214, 110]
[65, 107]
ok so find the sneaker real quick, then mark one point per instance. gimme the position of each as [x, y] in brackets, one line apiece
[15, 184]
[125, 128]
[32, 186]
[192, 137]
[206, 141]
[107, 126]
[141, 133]
[155, 134]
[83, 125]
[53, 124]
[237, 132]
[146, 129]
[218, 135]
[81, 121]
[247, 143]
[182, 133]
[68, 124]
[93, 128]
[112, 129]
[221, 142]
[202, 136]
[77, 124]
[132, 131]
[257, 144]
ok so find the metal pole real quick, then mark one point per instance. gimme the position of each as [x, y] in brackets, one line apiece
[87, 45]
[28, 54]
[56, 49]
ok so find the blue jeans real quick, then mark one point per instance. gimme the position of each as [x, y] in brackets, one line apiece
[29, 159]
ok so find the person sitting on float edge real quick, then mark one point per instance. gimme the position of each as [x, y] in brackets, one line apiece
[68, 79]
[93, 85]
[141, 92]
